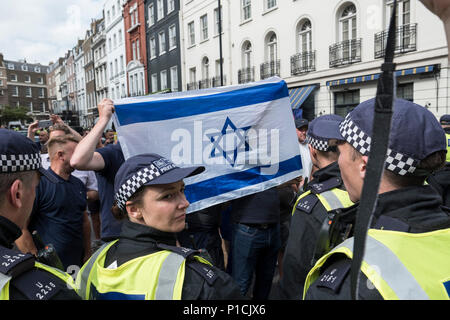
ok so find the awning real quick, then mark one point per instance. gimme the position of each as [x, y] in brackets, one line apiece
[299, 95]
[375, 76]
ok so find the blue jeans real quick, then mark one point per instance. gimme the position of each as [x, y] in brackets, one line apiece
[255, 251]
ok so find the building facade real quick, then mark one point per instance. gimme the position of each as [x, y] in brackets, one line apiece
[100, 61]
[115, 46]
[135, 47]
[89, 72]
[27, 87]
[163, 45]
[80, 84]
[3, 84]
[332, 69]
[201, 50]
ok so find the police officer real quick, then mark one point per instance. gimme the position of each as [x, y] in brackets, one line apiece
[440, 180]
[406, 253]
[145, 263]
[308, 234]
[21, 276]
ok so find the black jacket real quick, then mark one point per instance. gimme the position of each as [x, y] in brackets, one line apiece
[137, 240]
[412, 209]
[9, 232]
[303, 235]
[440, 181]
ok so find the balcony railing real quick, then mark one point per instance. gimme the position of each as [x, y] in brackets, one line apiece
[405, 40]
[204, 83]
[345, 52]
[303, 62]
[216, 82]
[192, 85]
[246, 75]
[270, 69]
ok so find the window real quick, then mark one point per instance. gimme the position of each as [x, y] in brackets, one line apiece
[162, 42]
[270, 4]
[37, 69]
[109, 44]
[304, 37]
[116, 64]
[133, 46]
[27, 92]
[403, 20]
[115, 40]
[246, 9]
[120, 36]
[348, 23]
[170, 6]
[272, 48]
[138, 49]
[10, 66]
[205, 68]
[1, 83]
[160, 7]
[13, 77]
[191, 31]
[27, 78]
[14, 91]
[152, 48]
[345, 101]
[172, 37]
[24, 68]
[174, 78]
[122, 66]
[405, 91]
[151, 15]
[217, 20]
[41, 92]
[154, 82]
[113, 10]
[163, 75]
[204, 27]
[192, 75]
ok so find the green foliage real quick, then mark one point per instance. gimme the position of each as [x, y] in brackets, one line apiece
[8, 113]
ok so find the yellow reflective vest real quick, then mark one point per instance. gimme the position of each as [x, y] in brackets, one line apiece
[157, 276]
[331, 199]
[447, 139]
[5, 280]
[404, 266]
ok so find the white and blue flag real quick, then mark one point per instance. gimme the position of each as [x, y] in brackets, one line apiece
[244, 135]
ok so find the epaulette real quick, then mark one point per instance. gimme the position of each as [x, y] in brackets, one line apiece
[307, 203]
[333, 276]
[205, 271]
[326, 185]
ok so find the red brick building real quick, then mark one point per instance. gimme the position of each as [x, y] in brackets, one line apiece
[135, 47]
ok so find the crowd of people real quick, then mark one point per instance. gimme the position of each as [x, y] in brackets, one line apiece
[71, 200]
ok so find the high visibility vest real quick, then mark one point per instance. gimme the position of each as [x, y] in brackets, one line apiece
[400, 265]
[157, 276]
[5, 279]
[447, 139]
[331, 199]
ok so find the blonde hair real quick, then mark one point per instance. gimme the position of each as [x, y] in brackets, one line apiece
[60, 141]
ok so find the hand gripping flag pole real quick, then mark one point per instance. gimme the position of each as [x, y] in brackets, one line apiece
[378, 150]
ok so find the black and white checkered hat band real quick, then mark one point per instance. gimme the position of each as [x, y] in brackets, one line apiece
[134, 183]
[317, 144]
[395, 161]
[19, 162]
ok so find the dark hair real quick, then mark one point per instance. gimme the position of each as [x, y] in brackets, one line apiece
[7, 179]
[433, 162]
[136, 199]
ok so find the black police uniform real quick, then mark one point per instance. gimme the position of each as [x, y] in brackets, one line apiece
[26, 279]
[306, 224]
[139, 240]
[412, 209]
[440, 180]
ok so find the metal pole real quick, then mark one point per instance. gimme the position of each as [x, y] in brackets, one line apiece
[220, 43]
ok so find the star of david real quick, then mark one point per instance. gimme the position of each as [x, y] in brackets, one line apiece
[216, 138]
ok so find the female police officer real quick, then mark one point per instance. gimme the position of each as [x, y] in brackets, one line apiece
[144, 262]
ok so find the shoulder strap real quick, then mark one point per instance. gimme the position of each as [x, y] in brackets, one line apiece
[12, 264]
[326, 185]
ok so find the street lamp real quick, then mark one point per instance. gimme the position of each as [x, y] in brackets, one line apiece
[220, 43]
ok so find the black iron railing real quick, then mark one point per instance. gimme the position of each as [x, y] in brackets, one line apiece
[216, 81]
[270, 69]
[303, 62]
[405, 40]
[345, 52]
[246, 75]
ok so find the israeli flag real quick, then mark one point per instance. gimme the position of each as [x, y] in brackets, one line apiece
[244, 135]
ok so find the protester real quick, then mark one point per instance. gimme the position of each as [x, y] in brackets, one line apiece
[18, 181]
[59, 209]
[105, 162]
[406, 254]
[301, 126]
[309, 233]
[109, 137]
[255, 241]
[144, 262]
[43, 135]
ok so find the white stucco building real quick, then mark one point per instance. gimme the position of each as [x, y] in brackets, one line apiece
[200, 54]
[115, 49]
[329, 52]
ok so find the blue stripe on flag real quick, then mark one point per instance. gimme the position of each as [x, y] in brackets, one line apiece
[157, 110]
[235, 181]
